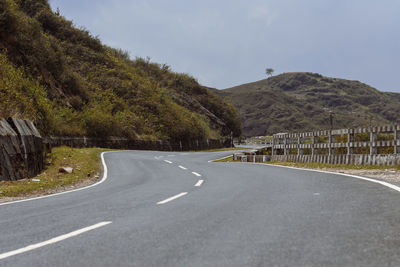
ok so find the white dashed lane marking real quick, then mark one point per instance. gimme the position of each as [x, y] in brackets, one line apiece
[199, 183]
[52, 241]
[171, 198]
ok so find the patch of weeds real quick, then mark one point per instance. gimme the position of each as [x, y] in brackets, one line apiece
[229, 159]
[86, 168]
[221, 149]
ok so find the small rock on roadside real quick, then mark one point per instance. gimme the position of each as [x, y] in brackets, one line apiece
[65, 170]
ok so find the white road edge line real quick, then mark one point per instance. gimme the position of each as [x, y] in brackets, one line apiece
[195, 173]
[167, 161]
[392, 186]
[171, 198]
[183, 168]
[52, 241]
[105, 172]
[199, 183]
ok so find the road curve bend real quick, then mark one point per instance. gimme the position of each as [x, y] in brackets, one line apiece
[179, 209]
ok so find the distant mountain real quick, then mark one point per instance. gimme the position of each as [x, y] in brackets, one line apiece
[69, 83]
[294, 102]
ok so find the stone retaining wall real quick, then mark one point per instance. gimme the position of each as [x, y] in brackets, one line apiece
[21, 149]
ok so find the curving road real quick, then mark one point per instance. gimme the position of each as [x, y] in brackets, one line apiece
[178, 209]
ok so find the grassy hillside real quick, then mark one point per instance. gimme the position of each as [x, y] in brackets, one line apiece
[303, 101]
[69, 83]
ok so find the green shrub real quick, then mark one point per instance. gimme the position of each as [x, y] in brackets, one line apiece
[71, 84]
[22, 96]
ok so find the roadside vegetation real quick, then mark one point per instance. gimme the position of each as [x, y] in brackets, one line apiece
[70, 84]
[228, 159]
[86, 166]
[220, 149]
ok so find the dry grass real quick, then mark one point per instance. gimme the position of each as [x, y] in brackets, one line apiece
[220, 149]
[84, 161]
[229, 159]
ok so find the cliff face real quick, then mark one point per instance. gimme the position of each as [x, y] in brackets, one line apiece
[295, 102]
[82, 87]
[21, 150]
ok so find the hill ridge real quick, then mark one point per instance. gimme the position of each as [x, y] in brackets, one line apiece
[71, 84]
[302, 101]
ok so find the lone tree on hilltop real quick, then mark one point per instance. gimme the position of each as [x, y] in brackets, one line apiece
[269, 71]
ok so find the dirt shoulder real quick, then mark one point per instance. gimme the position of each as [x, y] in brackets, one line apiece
[86, 170]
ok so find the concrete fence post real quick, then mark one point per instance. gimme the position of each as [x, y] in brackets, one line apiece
[314, 150]
[331, 141]
[372, 147]
[396, 140]
[286, 151]
[350, 140]
[273, 146]
[299, 149]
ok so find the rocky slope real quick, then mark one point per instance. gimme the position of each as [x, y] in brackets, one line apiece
[303, 102]
[69, 83]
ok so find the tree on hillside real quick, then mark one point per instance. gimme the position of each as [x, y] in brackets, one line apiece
[269, 71]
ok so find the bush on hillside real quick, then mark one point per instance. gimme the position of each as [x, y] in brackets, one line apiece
[23, 97]
[74, 85]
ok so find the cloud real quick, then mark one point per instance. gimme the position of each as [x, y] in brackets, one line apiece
[224, 43]
[263, 14]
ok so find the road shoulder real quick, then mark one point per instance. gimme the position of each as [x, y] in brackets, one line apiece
[86, 165]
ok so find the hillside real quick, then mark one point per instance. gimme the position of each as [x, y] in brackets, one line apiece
[71, 84]
[303, 101]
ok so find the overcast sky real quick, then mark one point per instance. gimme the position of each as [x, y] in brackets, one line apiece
[224, 43]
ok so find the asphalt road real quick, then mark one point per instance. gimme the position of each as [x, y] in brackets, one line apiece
[149, 212]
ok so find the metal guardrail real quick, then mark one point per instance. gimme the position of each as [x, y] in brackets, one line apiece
[312, 140]
[337, 146]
